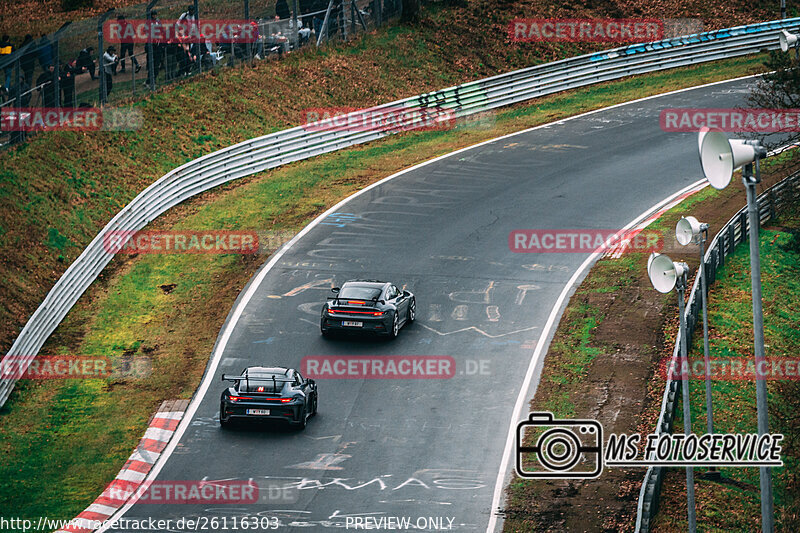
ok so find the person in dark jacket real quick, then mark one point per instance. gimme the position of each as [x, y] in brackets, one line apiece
[28, 60]
[45, 52]
[46, 84]
[126, 48]
[67, 82]
[86, 61]
[282, 10]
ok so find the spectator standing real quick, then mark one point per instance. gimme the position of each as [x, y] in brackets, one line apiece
[28, 60]
[282, 10]
[24, 92]
[45, 52]
[318, 7]
[67, 83]
[6, 49]
[159, 49]
[86, 62]
[303, 33]
[185, 56]
[126, 48]
[109, 63]
[46, 84]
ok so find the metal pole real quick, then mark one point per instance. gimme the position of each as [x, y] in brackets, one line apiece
[765, 477]
[703, 289]
[18, 136]
[56, 74]
[57, 63]
[687, 414]
[199, 60]
[247, 18]
[100, 65]
[296, 32]
[100, 22]
[324, 29]
[150, 56]
[713, 472]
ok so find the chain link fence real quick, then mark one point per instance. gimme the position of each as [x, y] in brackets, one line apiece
[70, 68]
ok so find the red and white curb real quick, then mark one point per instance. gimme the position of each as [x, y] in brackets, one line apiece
[162, 427]
[616, 251]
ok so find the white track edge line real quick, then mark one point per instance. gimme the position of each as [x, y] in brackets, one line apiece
[216, 355]
[540, 348]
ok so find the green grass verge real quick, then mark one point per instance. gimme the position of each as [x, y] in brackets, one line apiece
[735, 505]
[63, 441]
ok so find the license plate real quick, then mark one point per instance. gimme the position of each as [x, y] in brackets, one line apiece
[352, 324]
[258, 411]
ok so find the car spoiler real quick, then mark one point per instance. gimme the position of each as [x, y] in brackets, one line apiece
[336, 299]
[246, 378]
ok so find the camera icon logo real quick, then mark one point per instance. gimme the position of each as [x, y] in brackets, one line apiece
[562, 449]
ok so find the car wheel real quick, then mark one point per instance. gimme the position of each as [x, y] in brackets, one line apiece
[395, 327]
[303, 418]
[325, 333]
[224, 424]
[412, 311]
[314, 405]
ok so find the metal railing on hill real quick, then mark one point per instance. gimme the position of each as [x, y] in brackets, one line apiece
[734, 232]
[302, 142]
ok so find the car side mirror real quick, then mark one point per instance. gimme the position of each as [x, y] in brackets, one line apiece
[406, 294]
[311, 382]
[335, 290]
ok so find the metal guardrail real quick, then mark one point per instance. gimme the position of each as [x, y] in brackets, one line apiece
[302, 142]
[734, 232]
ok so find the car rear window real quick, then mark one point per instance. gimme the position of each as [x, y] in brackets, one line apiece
[262, 383]
[360, 293]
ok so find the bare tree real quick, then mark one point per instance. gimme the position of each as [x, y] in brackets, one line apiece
[779, 89]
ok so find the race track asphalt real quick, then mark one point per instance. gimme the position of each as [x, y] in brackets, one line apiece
[430, 448]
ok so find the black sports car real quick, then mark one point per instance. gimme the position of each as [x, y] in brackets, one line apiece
[261, 393]
[368, 306]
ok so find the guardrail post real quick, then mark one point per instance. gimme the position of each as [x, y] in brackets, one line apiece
[772, 210]
[742, 226]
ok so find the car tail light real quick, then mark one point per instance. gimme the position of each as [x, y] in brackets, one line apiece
[355, 302]
[343, 312]
[237, 398]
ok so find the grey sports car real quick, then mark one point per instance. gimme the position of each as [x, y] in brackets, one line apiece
[262, 393]
[368, 306]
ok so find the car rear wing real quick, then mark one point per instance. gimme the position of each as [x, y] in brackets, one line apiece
[246, 378]
[336, 299]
